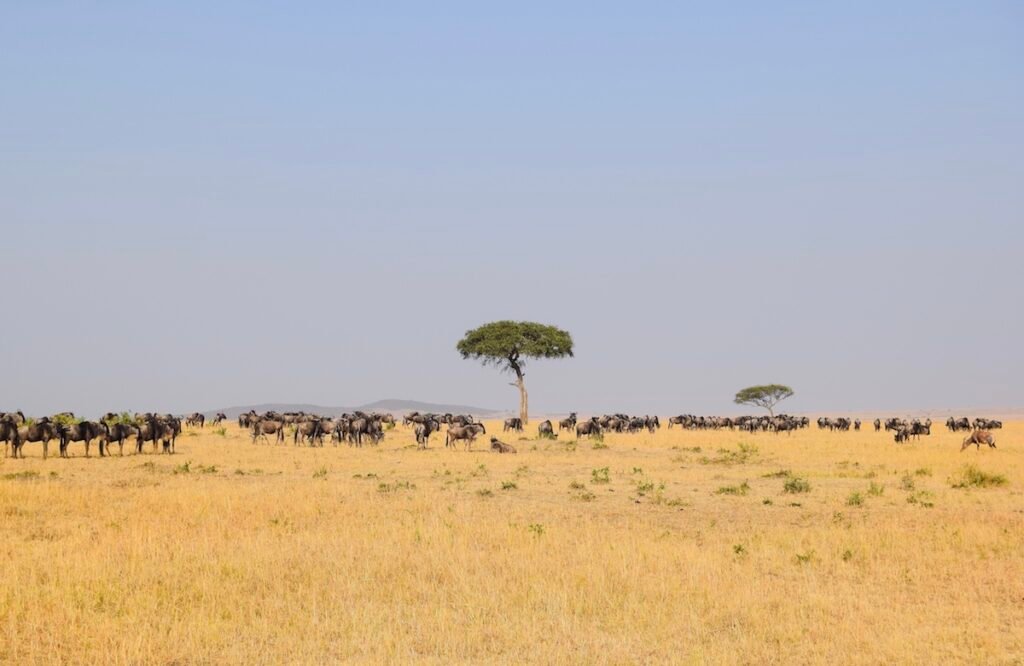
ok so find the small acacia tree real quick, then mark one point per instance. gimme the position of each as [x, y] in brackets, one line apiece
[764, 396]
[508, 344]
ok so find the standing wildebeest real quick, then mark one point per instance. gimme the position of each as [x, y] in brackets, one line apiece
[42, 430]
[466, 433]
[85, 432]
[8, 432]
[220, 418]
[567, 423]
[878, 424]
[117, 432]
[501, 447]
[588, 428]
[263, 427]
[546, 430]
[514, 423]
[196, 419]
[424, 430]
[979, 437]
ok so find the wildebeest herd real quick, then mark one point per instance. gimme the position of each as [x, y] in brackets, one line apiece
[358, 428]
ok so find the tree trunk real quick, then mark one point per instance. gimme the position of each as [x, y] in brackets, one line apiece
[524, 401]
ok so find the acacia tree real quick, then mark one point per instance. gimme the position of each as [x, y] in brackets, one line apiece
[508, 344]
[764, 396]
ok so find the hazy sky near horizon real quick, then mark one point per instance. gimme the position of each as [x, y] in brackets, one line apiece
[211, 204]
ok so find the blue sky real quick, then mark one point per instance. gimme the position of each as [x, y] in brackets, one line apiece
[211, 205]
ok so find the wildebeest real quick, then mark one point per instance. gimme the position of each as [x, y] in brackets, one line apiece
[263, 427]
[588, 428]
[466, 433]
[42, 430]
[220, 418]
[8, 432]
[196, 419]
[84, 431]
[878, 424]
[501, 447]
[567, 423]
[979, 437]
[424, 430]
[546, 430]
[117, 432]
[514, 424]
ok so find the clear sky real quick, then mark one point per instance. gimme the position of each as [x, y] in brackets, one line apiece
[206, 204]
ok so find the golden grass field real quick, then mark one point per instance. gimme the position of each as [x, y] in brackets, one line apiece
[233, 553]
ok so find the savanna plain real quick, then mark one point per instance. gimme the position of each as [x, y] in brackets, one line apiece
[675, 547]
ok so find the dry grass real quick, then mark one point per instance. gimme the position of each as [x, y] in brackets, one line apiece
[234, 553]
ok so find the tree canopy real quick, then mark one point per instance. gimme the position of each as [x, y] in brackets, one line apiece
[507, 345]
[766, 396]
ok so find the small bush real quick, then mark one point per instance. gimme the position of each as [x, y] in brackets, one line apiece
[847, 555]
[876, 490]
[907, 483]
[395, 487]
[804, 558]
[767, 501]
[184, 468]
[509, 485]
[921, 498]
[320, 473]
[741, 489]
[781, 474]
[576, 485]
[739, 549]
[972, 477]
[796, 484]
[923, 471]
[855, 499]
[485, 492]
[537, 529]
[600, 475]
[586, 496]
[223, 432]
[22, 476]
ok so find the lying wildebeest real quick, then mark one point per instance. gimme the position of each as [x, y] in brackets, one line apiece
[515, 424]
[42, 430]
[424, 430]
[546, 430]
[979, 437]
[501, 447]
[588, 428]
[263, 427]
[568, 423]
[466, 433]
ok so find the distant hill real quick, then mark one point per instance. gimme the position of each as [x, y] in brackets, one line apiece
[390, 405]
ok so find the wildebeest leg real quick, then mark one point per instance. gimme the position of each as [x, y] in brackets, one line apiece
[86, 448]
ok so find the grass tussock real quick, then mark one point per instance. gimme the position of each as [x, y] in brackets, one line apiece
[970, 476]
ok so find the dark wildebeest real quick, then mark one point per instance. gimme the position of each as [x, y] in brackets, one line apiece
[8, 433]
[466, 433]
[85, 432]
[545, 430]
[263, 427]
[501, 447]
[196, 419]
[220, 418]
[652, 423]
[588, 428]
[308, 430]
[979, 437]
[878, 424]
[42, 430]
[248, 419]
[514, 423]
[424, 430]
[118, 432]
[568, 423]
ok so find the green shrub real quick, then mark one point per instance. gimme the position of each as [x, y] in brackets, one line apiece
[855, 499]
[796, 484]
[972, 477]
[741, 489]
